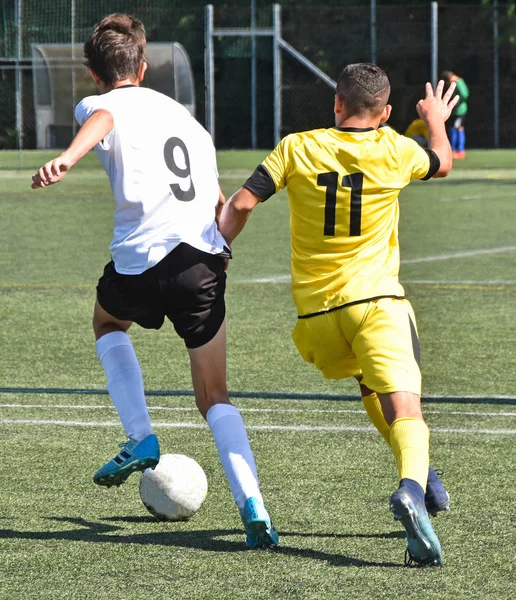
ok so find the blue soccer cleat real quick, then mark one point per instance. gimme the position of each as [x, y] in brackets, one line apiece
[423, 547]
[437, 498]
[260, 532]
[134, 456]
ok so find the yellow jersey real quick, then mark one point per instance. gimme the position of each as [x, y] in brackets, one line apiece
[417, 127]
[343, 186]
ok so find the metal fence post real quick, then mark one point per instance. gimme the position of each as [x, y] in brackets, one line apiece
[496, 78]
[209, 77]
[18, 14]
[373, 31]
[434, 43]
[253, 75]
[276, 54]
[73, 12]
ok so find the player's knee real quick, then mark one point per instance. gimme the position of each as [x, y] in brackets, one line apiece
[103, 328]
[400, 405]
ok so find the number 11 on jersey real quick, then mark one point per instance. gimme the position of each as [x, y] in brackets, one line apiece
[330, 181]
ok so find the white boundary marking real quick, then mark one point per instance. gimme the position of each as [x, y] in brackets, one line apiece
[464, 254]
[308, 428]
[273, 279]
[490, 282]
[500, 194]
[408, 261]
[469, 413]
[459, 282]
[254, 410]
[472, 197]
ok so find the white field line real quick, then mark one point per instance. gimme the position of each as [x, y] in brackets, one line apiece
[308, 428]
[287, 278]
[483, 431]
[254, 410]
[243, 174]
[459, 282]
[502, 194]
[275, 279]
[472, 282]
[237, 174]
[465, 254]
[472, 197]
[469, 413]
[272, 279]
[410, 261]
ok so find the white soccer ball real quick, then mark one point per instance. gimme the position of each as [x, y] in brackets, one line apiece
[175, 489]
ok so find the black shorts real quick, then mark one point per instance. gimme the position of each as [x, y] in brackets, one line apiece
[187, 286]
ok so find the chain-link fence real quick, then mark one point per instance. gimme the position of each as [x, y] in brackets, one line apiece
[478, 42]
[475, 41]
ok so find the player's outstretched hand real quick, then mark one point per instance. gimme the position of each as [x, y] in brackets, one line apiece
[435, 104]
[51, 172]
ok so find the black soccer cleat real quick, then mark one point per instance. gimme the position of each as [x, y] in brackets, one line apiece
[437, 498]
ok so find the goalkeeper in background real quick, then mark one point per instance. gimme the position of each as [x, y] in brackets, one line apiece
[458, 117]
[353, 317]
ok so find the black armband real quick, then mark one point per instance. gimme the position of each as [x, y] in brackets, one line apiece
[260, 183]
[435, 163]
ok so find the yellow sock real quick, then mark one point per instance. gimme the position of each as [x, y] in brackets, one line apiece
[409, 441]
[374, 410]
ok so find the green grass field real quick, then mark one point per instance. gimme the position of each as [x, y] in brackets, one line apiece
[326, 475]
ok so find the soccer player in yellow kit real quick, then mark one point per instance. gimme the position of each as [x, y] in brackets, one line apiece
[418, 131]
[353, 319]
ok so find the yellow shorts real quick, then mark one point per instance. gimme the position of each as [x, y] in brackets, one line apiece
[374, 341]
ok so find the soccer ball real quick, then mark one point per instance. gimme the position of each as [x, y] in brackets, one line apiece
[175, 489]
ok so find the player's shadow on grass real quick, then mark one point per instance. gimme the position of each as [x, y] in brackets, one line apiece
[390, 535]
[208, 540]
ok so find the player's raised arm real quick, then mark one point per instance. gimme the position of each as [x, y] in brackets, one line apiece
[235, 213]
[435, 109]
[93, 131]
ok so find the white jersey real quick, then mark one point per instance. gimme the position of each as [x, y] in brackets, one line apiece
[163, 172]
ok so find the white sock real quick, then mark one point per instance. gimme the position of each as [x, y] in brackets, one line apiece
[125, 383]
[230, 435]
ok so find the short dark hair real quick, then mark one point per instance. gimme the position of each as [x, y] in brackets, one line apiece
[364, 88]
[115, 49]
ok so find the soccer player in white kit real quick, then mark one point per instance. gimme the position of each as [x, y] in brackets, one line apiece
[168, 257]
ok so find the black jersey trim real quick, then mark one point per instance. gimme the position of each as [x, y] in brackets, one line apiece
[415, 343]
[354, 129]
[260, 183]
[363, 301]
[127, 85]
[435, 164]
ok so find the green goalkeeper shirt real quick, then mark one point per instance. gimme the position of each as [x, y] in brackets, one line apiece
[462, 91]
